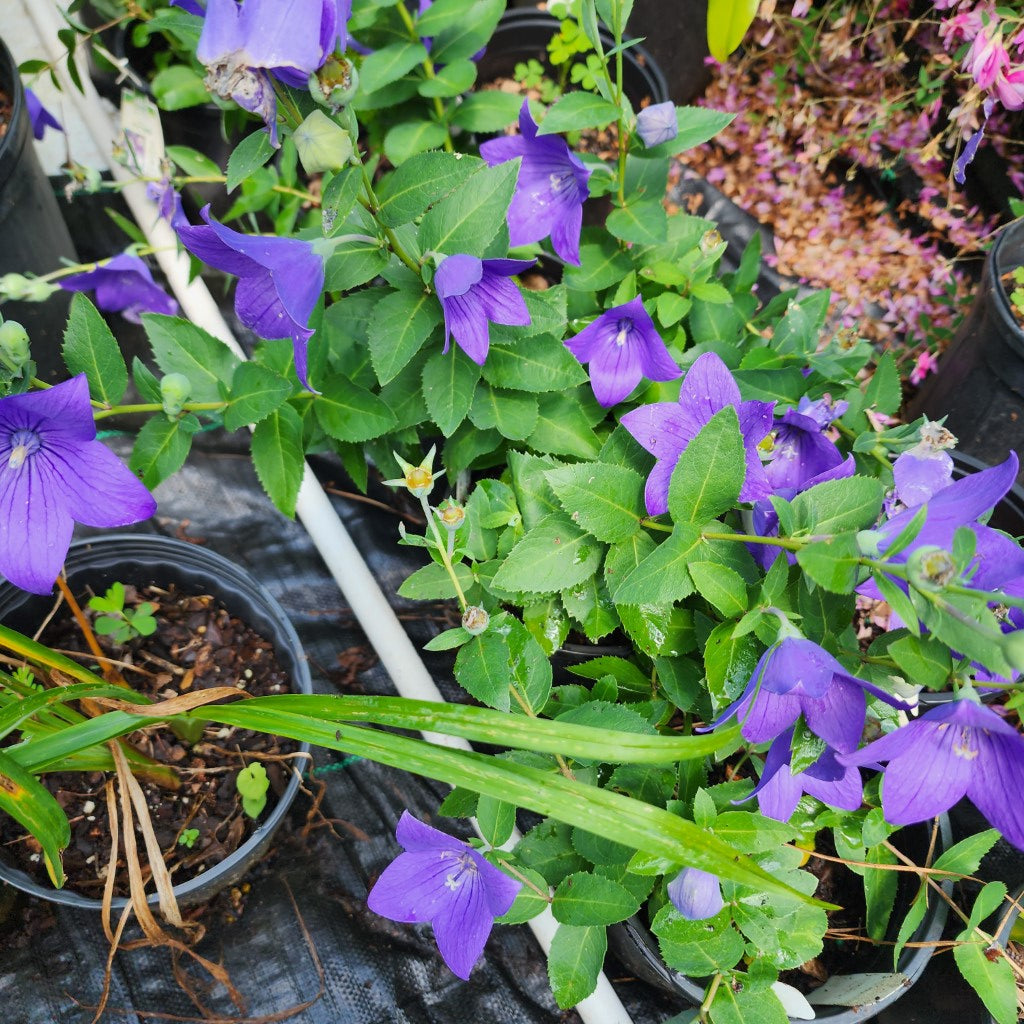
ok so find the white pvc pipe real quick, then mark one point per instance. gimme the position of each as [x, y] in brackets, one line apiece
[368, 603]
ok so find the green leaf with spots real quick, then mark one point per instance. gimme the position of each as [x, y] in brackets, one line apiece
[604, 499]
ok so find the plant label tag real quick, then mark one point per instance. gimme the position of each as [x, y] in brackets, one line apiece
[142, 137]
[857, 989]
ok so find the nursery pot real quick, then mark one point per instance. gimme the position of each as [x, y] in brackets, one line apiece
[979, 384]
[637, 947]
[142, 559]
[35, 237]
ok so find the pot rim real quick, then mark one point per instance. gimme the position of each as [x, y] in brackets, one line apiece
[146, 549]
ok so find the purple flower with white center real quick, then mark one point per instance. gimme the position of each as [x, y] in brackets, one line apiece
[445, 881]
[123, 285]
[696, 894]
[241, 43]
[53, 472]
[796, 677]
[550, 190]
[779, 789]
[475, 292]
[657, 123]
[666, 428]
[280, 280]
[622, 346]
[954, 750]
[39, 117]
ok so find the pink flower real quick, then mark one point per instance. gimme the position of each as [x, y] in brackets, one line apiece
[1010, 88]
[987, 58]
[926, 363]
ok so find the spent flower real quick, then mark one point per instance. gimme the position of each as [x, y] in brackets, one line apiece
[123, 285]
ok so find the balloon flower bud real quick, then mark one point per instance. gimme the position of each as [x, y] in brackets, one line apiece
[175, 389]
[14, 351]
[28, 289]
[930, 568]
[335, 83]
[475, 620]
[321, 144]
[418, 479]
[451, 514]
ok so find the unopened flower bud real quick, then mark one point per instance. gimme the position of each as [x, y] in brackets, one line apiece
[869, 543]
[14, 350]
[475, 620]
[321, 144]
[451, 514]
[26, 289]
[930, 568]
[335, 83]
[175, 389]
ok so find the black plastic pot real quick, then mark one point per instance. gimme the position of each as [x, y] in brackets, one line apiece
[35, 237]
[979, 384]
[141, 559]
[637, 948]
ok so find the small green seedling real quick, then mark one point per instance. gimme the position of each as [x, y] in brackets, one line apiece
[188, 837]
[118, 622]
[1017, 293]
[252, 784]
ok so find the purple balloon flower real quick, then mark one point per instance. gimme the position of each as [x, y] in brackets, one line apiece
[796, 677]
[445, 881]
[279, 279]
[474, 292]
[696, 894]
[954, 750]
[39, 117]
[622, 346]
[666, 428]
[657, 124]
[241, 43]
[779, 789]
[123, 285]
[550, 190]
[53, 472]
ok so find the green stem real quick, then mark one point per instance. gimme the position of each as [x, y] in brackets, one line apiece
[788, 543]
[428, 70]
[373, 205]
[119, 410]
[442, 550]
[294, 116]
[623, 134]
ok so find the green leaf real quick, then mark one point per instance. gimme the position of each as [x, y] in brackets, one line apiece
[590, 604]
[25, 799]
[255, 393]
[277, 457]
[421, 181]
[178, 86]
[472, 217]
[993, 980]
[530, 902]
[451, 80]
[339, 197]
[883, 391]
[709, 475]
[662, 577]
[644, 223]
[729, 662]
[923, 661]
[723, 587]
[727, 24]
[512, 413]
[586, 899]
[481, 669]
[351, 413]
[564, 428]
[576, 111]
[443, 14]
[90, 348]
[354, 263]
[389, 63]
[555, 554]
[965, 856]
[191, 161]
[496, 820]
[432, 583]
[181, 347]
[449, 382]
[247, 158]
[160, 449]
[575, 961]
[462, 40]
[602, 265]
[400, 325]
[745, 1004]
[837, 506]
[833, 563]
[542, 365]
[407, 139]
[605, 500]
[487, 111]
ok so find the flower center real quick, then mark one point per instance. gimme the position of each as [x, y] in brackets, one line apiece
[963, 747]
[625, 325]
[23, 444]
[465, 865]
[561, 182]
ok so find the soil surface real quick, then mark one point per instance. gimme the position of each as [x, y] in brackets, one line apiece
[197, 645]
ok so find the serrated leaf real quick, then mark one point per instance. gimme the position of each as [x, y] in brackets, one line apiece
[709, 475]
[90, 348]
[605, 500]
[247, 158]
[463, 39]
[487, 111]
[389, 63]
[160, 449]
[451, 80]
[351, 413]
[354, 263]
[883, 391]
[833, 564]
[602, 265]
[449, 382]
[578, 110]
[181, 347]
[555, 554]
[643, 223]
[421, 181]
[405, 140]
[401, 323]
[721, 586]
[923, 661]
[662, 577]
[472, 217]
[255, 393]
[993, 980]
[482, 670]
[513, 413]
[563, 428]
[838, 506]
[432, 583]
[277, 457]
[339, 197]
[586, 899]
[543, 365]
[574, 962]
[729, 662]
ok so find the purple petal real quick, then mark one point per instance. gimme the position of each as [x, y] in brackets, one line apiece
[39, 117]
[500, 150]
[466, 322]
[462, 926]
[614, 370]
[696, 894]
[770, 714]
[998, 783]
[501, 300]
[456, 275]
[837, 716]
[800, 666]
[919, 479]
[657, 123]
[281, 34]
